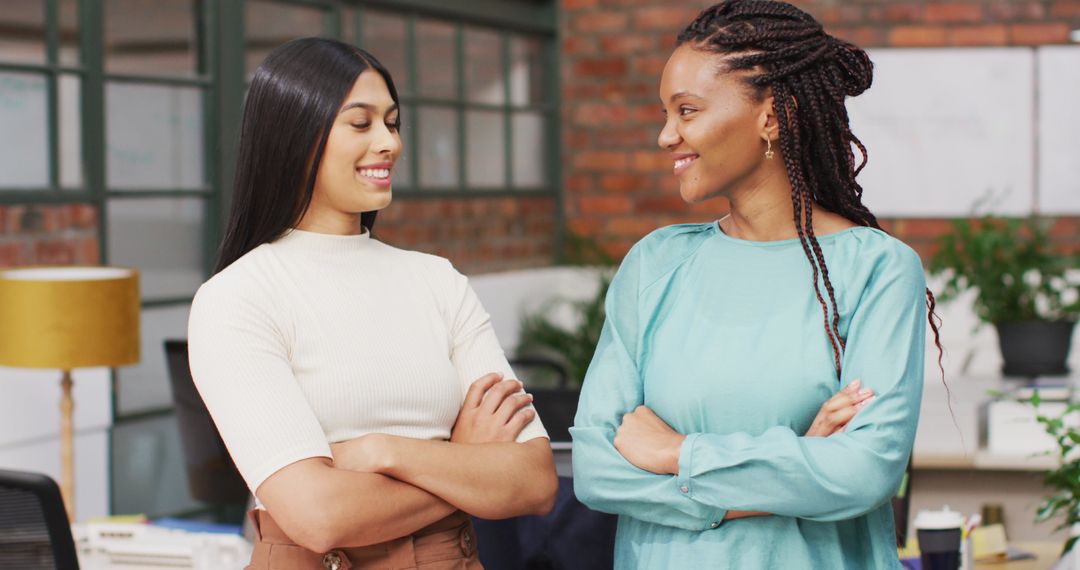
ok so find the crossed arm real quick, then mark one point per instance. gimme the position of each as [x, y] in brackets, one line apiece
[381, 487]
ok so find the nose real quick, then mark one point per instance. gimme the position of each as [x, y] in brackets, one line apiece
[387, 142]
[669, 136]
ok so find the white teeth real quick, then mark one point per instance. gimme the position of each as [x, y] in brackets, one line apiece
[375, 172]
[684, 161]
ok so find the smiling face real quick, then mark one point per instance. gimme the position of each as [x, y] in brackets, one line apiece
[715, 130]
[354, 175]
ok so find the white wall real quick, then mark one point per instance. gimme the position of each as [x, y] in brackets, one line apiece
[30, 430]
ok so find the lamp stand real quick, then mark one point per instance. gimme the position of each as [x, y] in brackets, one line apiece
[67, 449]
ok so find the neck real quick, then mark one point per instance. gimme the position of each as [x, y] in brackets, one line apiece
[762, 212]
[337, 224]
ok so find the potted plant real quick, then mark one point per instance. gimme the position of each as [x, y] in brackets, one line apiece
[1065, 479]
[1022, 286]
[557, 342]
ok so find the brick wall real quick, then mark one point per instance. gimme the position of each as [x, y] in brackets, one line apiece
[619, 185]
[61, 235]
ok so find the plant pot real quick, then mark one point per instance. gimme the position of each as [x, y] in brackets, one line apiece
[1035, 348]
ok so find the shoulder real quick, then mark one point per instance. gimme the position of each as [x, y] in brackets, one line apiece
[426, 265]
[882, 259]
[665, 249]
[246, 282]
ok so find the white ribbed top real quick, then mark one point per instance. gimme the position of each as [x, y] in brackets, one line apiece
[319, 338]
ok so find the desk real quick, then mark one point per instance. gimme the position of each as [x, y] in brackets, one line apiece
[1046, 555]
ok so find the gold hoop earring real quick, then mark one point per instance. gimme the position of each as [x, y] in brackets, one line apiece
[768, 150]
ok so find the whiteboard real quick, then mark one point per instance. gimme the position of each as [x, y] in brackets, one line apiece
[947, 130]
[1059, 130]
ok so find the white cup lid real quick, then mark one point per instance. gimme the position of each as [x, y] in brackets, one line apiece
[939, 520]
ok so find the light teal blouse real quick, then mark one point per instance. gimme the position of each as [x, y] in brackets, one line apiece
[724, 339]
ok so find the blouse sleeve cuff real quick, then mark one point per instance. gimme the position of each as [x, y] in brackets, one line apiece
[686, 483]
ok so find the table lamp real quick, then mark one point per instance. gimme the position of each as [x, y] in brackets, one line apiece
[65, 318]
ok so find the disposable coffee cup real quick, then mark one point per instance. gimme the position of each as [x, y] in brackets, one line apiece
[939, 534]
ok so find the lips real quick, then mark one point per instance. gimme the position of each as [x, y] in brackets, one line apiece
[377, 174]
[683, 161]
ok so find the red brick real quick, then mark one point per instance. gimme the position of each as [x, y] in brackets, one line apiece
[1068, 9]
[920, 228]
[624, 43]
[1010, 10]
[600, 66]
[601, 21]
[600, 160]
[13, 254]
[88, 252]
[54, 252]
[651, 65]
[578, 45]
[1037, 34]
[635, 227]
[572, 5]
[994, 35]
[584, 226]
[651, 162]
[653, 204]
[625, 182]
[952, 13]
[600, 114]
[605, 204]
[903, 13]
[864, 36]
[623, 137]
[664, 18]
[840, 14]
[1066, 227]
[917, 36]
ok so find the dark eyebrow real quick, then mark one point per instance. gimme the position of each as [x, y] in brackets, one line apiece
[675, 96]
[367, 107]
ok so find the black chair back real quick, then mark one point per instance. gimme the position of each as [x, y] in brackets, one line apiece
[34, 529]
[212, 476]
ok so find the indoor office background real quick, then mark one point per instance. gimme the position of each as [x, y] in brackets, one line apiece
[528, 124]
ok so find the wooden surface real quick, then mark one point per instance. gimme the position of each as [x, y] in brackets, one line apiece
[1046, 554]
[67, 447]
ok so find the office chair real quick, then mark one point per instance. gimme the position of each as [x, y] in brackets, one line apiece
[212, 476]
[34, 529]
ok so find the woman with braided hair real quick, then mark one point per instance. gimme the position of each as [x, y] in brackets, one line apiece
[701, 420]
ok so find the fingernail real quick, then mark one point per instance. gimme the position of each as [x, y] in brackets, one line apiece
[854, 385]
[866, 392]
[865, 402]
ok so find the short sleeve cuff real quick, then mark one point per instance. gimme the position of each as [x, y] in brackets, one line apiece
[685, 481]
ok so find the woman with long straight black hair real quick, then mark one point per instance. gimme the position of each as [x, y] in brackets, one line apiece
[359, 387]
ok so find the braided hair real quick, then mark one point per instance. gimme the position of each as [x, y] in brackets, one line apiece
[809, 73]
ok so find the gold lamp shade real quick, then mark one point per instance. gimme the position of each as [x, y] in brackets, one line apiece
[69, 317]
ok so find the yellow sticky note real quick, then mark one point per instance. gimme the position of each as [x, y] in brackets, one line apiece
[990, 542]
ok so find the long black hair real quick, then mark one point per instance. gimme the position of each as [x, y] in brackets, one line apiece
[809, 73]
[291, 105]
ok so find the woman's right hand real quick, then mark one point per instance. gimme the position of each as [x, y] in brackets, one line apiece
[835, 413]
[494, 410]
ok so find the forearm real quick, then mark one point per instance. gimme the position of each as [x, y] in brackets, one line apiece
[489, 480]
[323, 507]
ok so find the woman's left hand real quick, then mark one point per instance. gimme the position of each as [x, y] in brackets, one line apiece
[648, 442]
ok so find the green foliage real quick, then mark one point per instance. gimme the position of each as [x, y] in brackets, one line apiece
[1065, 479]
[1010, 262]
[573, 345]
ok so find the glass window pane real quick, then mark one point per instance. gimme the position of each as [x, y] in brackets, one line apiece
[163, 239]
[403, 166]
[69, 32]
[438, 136]
[145, 386]
[486, 149]
[148, 469]
[526, 71]
[23, 37]
[71, 159]
[384, 36]
[24, 161]
[483, 67]
[154, 37]
[270, 24]
[153, 137]
[436, 64]
[529, 164]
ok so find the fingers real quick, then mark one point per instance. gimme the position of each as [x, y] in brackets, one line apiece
[497, 393]
[511, 405]
[479, 387]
